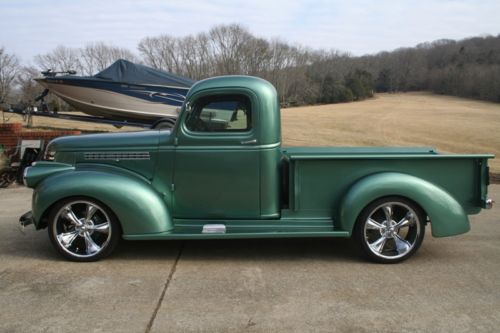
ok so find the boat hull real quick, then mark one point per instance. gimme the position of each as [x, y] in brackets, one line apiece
[115, 100]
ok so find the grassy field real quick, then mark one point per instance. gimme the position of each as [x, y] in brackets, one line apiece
[449, 124]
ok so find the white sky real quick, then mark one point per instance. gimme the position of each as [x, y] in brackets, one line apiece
[32, 27]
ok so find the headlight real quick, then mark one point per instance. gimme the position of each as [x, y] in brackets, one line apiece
[25, 174]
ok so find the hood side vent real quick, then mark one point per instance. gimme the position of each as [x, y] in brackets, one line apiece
[116, 156]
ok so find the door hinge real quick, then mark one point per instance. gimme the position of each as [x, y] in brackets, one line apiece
[172, 187]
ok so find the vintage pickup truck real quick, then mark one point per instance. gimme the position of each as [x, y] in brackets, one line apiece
[221, 173]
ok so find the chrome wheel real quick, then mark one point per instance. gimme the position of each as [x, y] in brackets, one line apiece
[81, 229]
[391, 229]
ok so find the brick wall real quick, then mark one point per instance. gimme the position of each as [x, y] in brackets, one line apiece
[11, 133]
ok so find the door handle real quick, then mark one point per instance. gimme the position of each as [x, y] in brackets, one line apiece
[249, 142]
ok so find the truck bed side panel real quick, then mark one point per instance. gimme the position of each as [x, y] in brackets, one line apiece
[317, 186]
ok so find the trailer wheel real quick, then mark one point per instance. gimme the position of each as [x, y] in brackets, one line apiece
[390, 230]
[83, 229]
[164, 123]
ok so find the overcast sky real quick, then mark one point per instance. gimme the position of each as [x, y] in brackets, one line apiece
[32, 27]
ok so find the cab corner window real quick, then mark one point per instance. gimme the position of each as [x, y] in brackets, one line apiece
[223, 113]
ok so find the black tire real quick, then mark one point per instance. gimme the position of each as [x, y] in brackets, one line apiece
[393, 242]
[3, 179]
[164, 123]
[7, 177]
[83, 229]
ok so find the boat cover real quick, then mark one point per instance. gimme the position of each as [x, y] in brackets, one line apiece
[126, 71]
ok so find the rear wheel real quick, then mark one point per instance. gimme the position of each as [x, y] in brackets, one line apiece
[83, 229]
[390, 230]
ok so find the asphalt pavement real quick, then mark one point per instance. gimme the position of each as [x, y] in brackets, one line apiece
[285, 285]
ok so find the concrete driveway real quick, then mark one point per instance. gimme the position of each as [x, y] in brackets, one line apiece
[298, 285]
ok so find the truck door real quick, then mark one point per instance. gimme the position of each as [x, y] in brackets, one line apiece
[217, 173]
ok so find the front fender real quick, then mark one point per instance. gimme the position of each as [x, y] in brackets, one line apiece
[447, 216]
[138, 207]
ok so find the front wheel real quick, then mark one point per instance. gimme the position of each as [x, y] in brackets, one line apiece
[390, 230]
[83, 229]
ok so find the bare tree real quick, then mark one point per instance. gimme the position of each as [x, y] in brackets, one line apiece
[229, 43]
[161, 52]
[9, 67]
[60, 59]
[27, 88]
[97, 56]
[195, 58]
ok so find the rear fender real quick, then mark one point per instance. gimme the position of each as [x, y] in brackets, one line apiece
[138, 207]
[447, 216]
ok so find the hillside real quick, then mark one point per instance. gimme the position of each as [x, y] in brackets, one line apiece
[450, 124]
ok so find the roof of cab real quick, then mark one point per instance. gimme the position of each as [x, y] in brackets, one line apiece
[259, 86]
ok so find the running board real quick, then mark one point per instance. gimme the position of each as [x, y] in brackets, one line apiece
[236, 235]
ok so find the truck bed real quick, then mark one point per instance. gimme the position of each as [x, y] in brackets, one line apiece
[318, 177]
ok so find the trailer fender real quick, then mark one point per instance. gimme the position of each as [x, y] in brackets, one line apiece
[447, 216]
[139, 208]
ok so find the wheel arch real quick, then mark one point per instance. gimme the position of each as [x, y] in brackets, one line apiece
[447, 216]
[44, 218]
[137, 206]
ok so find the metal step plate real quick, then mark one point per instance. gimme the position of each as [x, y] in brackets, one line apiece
[214, 229]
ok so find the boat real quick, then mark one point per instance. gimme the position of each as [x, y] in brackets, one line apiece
[123, 91]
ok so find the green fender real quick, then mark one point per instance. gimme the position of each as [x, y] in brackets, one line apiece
[138, 207]
[447, 216]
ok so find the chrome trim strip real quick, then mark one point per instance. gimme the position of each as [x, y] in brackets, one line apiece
[215, 147]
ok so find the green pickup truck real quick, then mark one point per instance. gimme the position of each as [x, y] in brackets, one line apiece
[221, 172]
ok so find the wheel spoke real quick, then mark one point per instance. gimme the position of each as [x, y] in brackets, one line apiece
[70, 215]
[102, 228]
[402, 245]
[379, 244]
[92, 247]
[91, 210]
[406, 221]
[67, 238]
[373, 225]
[387, 212]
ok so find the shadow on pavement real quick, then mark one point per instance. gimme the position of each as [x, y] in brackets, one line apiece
[36, 245]
[342, 250]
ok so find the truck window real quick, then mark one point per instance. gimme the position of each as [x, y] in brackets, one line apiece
[224, 113]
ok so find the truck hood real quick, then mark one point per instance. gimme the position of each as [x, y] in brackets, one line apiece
[107, 141]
